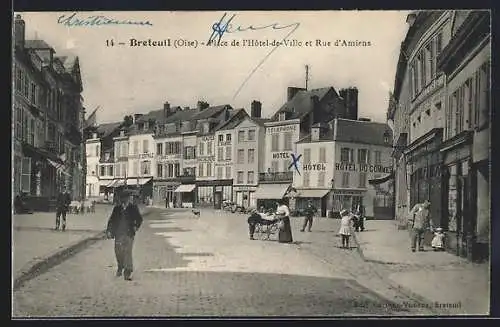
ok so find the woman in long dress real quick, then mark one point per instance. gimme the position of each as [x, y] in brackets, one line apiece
[285, 232]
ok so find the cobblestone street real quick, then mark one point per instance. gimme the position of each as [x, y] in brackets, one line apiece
[207, 266]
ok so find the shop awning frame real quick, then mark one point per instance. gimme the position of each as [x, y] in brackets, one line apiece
[271, 191]
[142, 181]
[185, 188]
[312, 193]
[381, 180]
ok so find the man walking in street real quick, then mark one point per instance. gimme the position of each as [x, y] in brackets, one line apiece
[125, 220]
[309, 213]
[62, 205]
[419, 221]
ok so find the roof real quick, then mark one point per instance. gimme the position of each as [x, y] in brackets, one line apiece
[232, 122]
[108, 128]
[68, 61]
[362, 132]
[261, 121]
[326, 136]
[300, 104]
[210, 112]
[185, 114]
[36, 44]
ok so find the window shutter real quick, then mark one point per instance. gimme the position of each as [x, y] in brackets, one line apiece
[26, 175]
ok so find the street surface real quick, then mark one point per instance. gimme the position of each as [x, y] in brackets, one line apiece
[207, 266]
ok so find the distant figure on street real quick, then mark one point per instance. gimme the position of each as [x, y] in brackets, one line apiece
[345, 227]
[285, 232]
[438, 240]
[309, 214]
[125, 220]
[360, 218]
[62, 206]
[419, 222]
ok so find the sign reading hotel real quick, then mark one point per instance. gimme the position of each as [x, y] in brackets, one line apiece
[281, 155]
[281, 129]
[362, 168]
[314, 167]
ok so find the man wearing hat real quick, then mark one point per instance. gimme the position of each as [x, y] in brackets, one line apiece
[125, 220]
[419, 221]
[309, 214]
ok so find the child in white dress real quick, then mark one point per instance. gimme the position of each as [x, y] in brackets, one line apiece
[345, 228]
[438, 240]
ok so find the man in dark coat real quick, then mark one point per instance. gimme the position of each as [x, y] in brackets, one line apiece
[309, 214]
[125, 220]
[62, 206]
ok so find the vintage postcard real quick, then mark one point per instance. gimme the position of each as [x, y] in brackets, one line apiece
[251, 164]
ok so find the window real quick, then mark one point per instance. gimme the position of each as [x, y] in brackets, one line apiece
[239, 178]
[220, 154]
[362, 180]
[200, 169]
[145, 146]
[110, 170]
[321, 179]
[288, 144]
[228, 138]
[19, 79]
[33, 93]
[96, 170]
[170, 170]
[307, 156]
[189, 152]
[124, 150]
[117, 170]
[378, 157]
[228, 172]
[431, 62]
[251, 135]
[275, 142]
[159, 149]
[177, 170]
[202, 149]
[282, 116]
[241, 136]
[484, 96]
[117, 150]
[19, 125]
[251, 156]
[136, 169]
[363, 156]
[306, 179]
[136, 147]
[32, 132]
[322, 154]
[26, 86]
[345, 179]
[250, 177]
[209, 169]
[124, 169]
[209, 148]
[241, 156]
[274, 166]
[26, 175]
[346, 155]
[146, 168]
[228, 152]
[102, 171]
[221, 138]
[286, 164]
[219, 173]
[159, 170]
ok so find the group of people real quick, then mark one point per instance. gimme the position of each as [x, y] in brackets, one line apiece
[419, 222]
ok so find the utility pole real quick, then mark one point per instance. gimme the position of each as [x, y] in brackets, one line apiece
[307, 76]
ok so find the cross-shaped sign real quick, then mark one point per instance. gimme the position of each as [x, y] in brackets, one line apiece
[295, 163]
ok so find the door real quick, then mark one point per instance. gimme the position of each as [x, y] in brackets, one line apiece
[218, 200]
[251, 200]
[239, 198]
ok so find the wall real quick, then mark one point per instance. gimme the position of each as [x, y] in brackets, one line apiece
[206, 161]
[92, 187]
[227, 162]
[135, 159]
[245, 126]
[281, 156]
[314, 167]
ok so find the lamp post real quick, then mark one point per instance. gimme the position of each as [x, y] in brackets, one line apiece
[332, 185]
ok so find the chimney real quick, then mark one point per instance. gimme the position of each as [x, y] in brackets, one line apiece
[410, 19]
[122, 132]
[202, 105]
[94, 135]
[291, 91]
[136, 117]
[166, 110]
[350, 99]
[315, 133]
[19, 31]
[256, 109]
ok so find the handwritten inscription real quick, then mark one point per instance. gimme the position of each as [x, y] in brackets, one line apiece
[73, 20]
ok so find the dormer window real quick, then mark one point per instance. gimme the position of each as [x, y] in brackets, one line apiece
[107, 156]
[386, 137]
[282, 116]
[122, 133]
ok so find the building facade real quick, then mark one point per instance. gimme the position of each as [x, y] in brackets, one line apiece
[93, 152]
[141, 157]
[47, 121]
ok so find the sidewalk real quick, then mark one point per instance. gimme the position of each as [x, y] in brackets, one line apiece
[437, 276]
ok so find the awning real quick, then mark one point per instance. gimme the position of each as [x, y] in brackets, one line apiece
[185, 188]
[58, 166]
[111, 183]
[118, 183]
[135, 181]
[381, 180]
[271, 191]
[303, 193]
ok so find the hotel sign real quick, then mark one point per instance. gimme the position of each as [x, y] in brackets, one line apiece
[314, 167]
[281, 155]
[281, 129]
[142, 156]
[207, 138]
[343, 166]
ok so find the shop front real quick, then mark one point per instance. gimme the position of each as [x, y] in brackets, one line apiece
[245, 196]
[424, 165]
[164, 193]
[348, 199]
[143, 186]
[185, 194]
[318, 197]
[211, 193]
[267, 195]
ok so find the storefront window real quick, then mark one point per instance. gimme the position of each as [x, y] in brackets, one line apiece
[227, 193]
[26, 175]
[206, 195]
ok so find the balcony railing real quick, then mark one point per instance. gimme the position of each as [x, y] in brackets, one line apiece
[187, 178]
[275, 177]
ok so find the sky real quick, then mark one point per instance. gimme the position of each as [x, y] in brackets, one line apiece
[122, 79]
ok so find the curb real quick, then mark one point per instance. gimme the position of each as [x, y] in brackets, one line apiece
[39, 266]
[402, 289]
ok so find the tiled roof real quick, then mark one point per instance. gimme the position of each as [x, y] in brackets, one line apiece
[106, 129]
[210, 112]
[232, 122]
[68, 61]
[180, 115]
[362, 132]
[36, 44]
[300, 104]
[326, 136]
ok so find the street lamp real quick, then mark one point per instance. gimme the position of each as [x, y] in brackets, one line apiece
[332, 186]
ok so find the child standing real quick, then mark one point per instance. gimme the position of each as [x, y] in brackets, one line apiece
[345, 228]
[438, 240]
